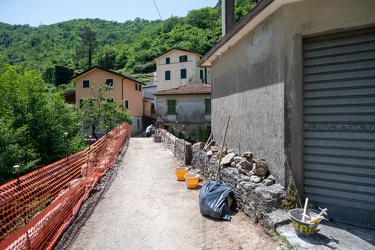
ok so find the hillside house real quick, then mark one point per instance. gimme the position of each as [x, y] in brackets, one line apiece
[148, 94]
[123, 90]
[297, 78]
[178, 67]
[186, 107]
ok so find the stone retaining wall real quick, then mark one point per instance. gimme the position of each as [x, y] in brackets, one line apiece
[180, 148]
[257, 200]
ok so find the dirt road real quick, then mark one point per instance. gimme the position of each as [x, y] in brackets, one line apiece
[147, 208]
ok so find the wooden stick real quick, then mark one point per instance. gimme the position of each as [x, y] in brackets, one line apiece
[319, 217]
[324, 210]
[222, 148]
[205, 145]
[304, 215]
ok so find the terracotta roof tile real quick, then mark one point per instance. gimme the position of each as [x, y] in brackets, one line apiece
[188, 89]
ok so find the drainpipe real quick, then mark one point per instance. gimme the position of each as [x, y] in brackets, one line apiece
[227, 14]
[205, 75]
[122, 94]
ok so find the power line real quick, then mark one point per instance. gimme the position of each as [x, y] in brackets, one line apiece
[158, 10]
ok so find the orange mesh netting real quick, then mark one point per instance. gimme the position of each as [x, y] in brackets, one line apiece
[35, 211]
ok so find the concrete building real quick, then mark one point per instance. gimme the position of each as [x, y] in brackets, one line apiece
[148, 94]
[178, 67]
[125, 91]
[297, 78]
[187, 107]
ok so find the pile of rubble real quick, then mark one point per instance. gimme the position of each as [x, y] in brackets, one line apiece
[247, 164]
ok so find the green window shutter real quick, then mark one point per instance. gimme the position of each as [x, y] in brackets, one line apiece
[207, 106]
[183, 58]
[183, 73]
[167, 75]
[171, 106]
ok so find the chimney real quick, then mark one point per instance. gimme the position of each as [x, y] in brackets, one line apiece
[227, 13]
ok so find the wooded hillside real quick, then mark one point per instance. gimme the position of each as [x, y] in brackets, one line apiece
[129, 48]
[37, 126]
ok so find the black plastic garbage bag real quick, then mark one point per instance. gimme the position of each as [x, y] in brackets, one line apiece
[213, 200]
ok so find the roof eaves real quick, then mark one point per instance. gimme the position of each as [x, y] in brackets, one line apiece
[222, 45]
[168, 51]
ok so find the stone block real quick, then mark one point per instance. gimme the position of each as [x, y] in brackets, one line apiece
[277, 218]
[228, 159]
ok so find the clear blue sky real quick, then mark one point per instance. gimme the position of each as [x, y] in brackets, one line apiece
[35, 12]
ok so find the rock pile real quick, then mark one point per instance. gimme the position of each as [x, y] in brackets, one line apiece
[246, 164]
[255, 189]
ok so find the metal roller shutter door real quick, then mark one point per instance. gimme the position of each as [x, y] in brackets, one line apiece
[339, 125]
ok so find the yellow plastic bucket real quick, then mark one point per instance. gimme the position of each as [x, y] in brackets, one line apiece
[192, 180]
[180, 173]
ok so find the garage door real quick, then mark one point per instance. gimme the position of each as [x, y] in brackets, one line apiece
[339, 125]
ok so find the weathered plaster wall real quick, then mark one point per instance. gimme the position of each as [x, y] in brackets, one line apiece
[248, 86]
[190, 111]
[136, 127]
[259, 81]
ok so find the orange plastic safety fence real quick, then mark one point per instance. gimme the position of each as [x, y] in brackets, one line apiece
[35, 211]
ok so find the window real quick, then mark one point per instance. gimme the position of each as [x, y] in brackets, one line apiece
[136, 86]
[207, 106]
[126, 104]
[140, 87]
[86, 84]
[183, 73]
[171, 106]
[167, 60]
[208, 129]
[110, 99]
[167, 75]
[109, 83]
[183, 58]
[201, 74]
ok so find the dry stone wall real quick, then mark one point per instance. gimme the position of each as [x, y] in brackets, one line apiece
[255, 196]
[180, 147]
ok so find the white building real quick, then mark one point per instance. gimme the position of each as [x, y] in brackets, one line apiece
[178, 67]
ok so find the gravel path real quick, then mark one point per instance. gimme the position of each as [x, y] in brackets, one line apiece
[147, 208]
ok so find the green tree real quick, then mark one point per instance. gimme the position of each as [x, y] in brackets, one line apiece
[204, 18]
[108, 59]
[58, 75]
[99, 112]
[130, 46]
[32, 123]
[86, 49]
